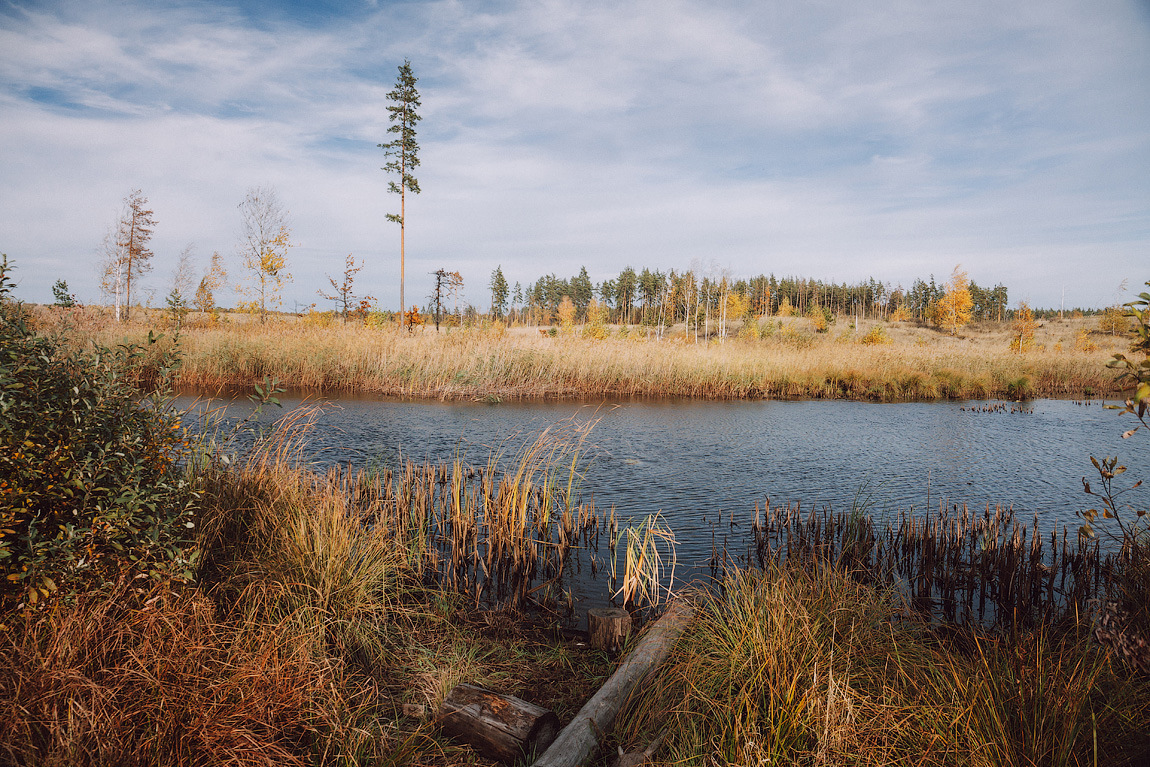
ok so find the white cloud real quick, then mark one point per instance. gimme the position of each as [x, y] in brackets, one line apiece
[832, 140]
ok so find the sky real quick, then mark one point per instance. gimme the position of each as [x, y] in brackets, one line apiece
[828, 139]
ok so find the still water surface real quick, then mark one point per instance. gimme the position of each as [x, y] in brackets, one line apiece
[693, 461]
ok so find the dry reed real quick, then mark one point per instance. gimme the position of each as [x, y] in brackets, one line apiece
[806, 665]
[960, 567]
[920, 363]
[158, 678]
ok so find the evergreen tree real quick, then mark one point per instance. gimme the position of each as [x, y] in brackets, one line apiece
[498, 287]
[404, 154]
[582, 291]
[625, 294]
[63, 297]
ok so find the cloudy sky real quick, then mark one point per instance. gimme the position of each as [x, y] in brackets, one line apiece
[830, 139]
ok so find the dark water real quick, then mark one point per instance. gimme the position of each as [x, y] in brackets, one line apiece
[693, 461]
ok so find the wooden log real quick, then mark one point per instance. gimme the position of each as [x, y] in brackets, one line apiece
[498, 726]
[609, 628]
[580, 739]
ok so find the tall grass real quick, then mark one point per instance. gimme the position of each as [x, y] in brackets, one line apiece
[919, 364]
[323, 603]
[167, 678]
[793, 665]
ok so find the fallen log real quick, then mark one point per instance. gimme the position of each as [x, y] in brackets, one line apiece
[498, 726]
[580, 739]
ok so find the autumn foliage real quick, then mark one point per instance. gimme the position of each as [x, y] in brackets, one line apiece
[90, 483]
[952, 311]
[1022, 339]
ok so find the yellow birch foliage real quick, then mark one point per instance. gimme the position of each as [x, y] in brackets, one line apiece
[566, 314]
[596, 326]
[1022, 339]
[953, 309]
[737, 306]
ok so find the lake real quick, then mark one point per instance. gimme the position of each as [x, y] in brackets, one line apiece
[693, 461]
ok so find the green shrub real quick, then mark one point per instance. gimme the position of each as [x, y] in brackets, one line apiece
[90, 479]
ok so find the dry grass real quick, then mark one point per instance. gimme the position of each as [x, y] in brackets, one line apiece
[317, 615]
[810, 667]
[158, 678]
[789, 361]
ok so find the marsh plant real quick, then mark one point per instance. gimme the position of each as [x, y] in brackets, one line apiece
[804, 664]
[1124, 616]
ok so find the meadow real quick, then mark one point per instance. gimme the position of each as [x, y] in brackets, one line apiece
[194, 605]
[769, 358]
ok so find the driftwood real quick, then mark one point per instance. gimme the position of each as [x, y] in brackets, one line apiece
[580, 739]
[609, 628]
[498, 726]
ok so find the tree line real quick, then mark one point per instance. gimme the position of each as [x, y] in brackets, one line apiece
[699, 297]
[654, 297]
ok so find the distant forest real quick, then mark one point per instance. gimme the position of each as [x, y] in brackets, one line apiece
[652, 297]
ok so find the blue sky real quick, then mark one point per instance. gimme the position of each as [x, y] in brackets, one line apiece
[825, 139]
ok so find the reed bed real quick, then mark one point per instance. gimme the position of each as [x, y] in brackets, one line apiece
[503, 533]
[323, 604]
[920, 364]
[988, 569]
[806, 665]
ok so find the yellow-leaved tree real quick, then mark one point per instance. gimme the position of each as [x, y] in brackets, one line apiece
[566, 313]
[264, 240]
[953, 309]
[1022, 339]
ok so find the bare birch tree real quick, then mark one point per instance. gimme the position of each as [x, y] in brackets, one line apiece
[342, 295]
[213, 278]
[264, 241]
[126, 253]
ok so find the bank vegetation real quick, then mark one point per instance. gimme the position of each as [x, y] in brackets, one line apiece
[791, 357]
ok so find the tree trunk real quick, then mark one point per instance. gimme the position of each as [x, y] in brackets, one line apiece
[609, 628]
[498, 726]
[579, 739]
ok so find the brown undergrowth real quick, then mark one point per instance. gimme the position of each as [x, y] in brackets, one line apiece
[309, 629]
[159, 677]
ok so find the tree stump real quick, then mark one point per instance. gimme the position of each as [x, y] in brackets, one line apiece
[498, 726]
[609, 628]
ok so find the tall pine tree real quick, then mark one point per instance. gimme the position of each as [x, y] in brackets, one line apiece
[404, 154]
[498, 293]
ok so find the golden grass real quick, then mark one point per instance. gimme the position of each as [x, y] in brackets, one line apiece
[789, 361]
[316, 617]
[807, 666]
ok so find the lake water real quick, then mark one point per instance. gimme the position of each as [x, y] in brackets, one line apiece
[694, 460]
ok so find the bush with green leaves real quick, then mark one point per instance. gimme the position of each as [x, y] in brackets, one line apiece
[91, 483]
